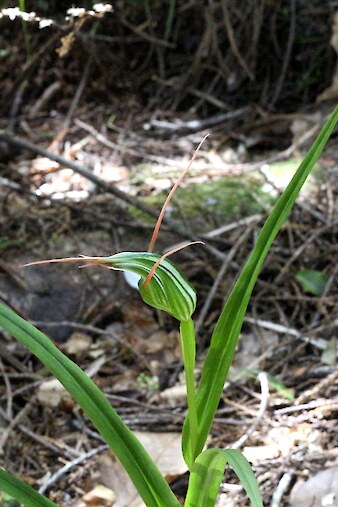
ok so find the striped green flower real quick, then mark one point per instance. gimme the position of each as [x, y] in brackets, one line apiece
[167, 288]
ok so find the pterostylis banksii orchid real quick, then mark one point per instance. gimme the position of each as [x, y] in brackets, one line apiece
[163, 287]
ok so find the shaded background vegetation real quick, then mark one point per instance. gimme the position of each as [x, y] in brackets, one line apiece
[194, 57]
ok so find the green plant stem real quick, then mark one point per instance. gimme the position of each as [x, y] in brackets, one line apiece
[207, 473]
[170, 19]
[189, 355]
[22, 8]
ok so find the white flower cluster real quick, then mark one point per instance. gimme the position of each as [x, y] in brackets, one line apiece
[98, 10]
[15, 12]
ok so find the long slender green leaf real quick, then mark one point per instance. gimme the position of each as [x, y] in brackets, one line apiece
[227, 329]
[206, 476]
[243, 470]
[145, 475]
[22, 492]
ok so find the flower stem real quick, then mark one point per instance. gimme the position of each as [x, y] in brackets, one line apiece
[189, 354]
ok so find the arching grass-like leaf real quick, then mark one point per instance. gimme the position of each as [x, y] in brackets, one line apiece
[228, 327]
[22, 492]
[146, 477]
[206, 476]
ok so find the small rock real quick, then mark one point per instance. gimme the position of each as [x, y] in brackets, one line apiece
[51, 393]
[100, 496]
[320, 490]
[78, 344]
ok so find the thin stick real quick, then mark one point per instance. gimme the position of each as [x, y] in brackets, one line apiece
[85, 172]
[263, 379]
[171, 193]
[282, 488]
[68, 466]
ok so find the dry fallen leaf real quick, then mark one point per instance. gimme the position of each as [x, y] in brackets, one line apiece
[174, 395]
[136, 314]
[165, 450]
[100, 496]
[279, 441]
[78, 344]
[51, 393]
[143, 334]
[113, 476]
[110, 172]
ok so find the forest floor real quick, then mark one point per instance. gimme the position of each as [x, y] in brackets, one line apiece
[280, 404]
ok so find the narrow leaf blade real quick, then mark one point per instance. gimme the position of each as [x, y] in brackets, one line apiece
[228, 327]
[143, 472]
[22, 492]
[206, 476]
[243, 470]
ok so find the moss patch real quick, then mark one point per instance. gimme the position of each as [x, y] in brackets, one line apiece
[214, 201]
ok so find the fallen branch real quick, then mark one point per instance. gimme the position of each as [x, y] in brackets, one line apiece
[172, 225]
[80, 169]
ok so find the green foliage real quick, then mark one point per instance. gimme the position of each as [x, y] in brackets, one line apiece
[227, 197]
[6, 243]
[273, 382]
[312, 281]
[167, 290]
[163, 286]
[207, 472]
[22, 491]
[147, 478]
[4, 52]
[8, 501]
[148, 382]
[228, 327]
